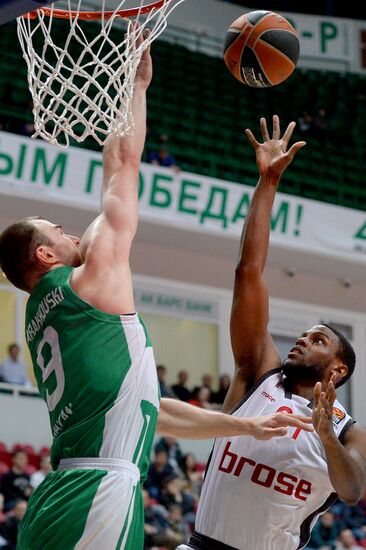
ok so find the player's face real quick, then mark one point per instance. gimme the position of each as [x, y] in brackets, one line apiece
[65, 247]
[312, 354]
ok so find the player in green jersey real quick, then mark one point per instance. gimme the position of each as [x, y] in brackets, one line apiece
[94, 365]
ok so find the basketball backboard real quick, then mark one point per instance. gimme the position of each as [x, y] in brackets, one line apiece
[11, 9]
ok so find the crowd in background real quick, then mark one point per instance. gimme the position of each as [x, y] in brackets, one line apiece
[21, 472]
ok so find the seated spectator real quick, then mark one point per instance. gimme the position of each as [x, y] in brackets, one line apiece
[162, 156]
[172, 493]
[180, 389]
[320, 124]
[177, 523]
[13, 371]
[324, 534]
[171, 446]
[158, 531]
[347, 541]
[44, 469]
[193, 479]
[165, 390]
[206, 383]
[159, 469]
[9, 529]
[305, 122]
[201, 398]
[15, 484]
[224, 385]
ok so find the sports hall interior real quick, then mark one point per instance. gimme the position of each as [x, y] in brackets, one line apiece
[185, 251]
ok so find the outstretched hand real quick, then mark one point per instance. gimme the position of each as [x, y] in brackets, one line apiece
[275, 425]
[272, 155]
[323, 410]
[140, 38]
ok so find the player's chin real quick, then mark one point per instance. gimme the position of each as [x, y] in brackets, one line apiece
[289, 364]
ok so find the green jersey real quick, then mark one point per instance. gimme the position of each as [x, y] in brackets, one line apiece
[95, 371]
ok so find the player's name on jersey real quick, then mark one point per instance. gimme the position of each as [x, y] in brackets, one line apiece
[50, 301]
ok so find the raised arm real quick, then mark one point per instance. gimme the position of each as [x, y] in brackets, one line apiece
[253, 348]
[179, 419]
[107, 242]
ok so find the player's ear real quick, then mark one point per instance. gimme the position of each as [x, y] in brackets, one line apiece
[339, 370]
[45, 255]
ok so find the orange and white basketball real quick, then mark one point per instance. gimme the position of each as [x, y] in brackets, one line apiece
[261, 49]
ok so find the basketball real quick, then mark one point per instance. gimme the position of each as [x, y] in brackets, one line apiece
[261, 49]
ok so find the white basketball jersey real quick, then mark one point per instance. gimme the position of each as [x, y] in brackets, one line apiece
[267, 495]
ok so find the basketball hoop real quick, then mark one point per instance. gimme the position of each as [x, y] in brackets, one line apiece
[82, 80]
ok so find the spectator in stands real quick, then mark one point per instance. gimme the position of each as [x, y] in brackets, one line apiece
[171, 446]
[320, 124]
[158, 531]
[165, 390]
[172, 493]
[9, 529]
[219, 396]
[44, 469]
[347, 541]
[201, 397]
[206, 382]
[324, 534]
[15, 484]
[177, 523]
[192, 476]
[162, 156]
[180, 389]
[12, 370]
[305, 122]
[158, 471]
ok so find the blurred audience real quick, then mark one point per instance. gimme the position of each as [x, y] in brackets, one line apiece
[171, 446]
[165, 390]
[224, 385]
[12, 370]
[324, 534]
[9, 529]
[44, 469]
[347, 541]
[159, 469]
[180, 388]
[162, 156]
[201, 397]
[15, 484]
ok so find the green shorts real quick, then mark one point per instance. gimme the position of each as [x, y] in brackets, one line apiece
[79, 508]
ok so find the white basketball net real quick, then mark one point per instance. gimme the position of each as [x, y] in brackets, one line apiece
[83, 86]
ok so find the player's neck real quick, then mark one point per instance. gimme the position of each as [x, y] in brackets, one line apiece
[303, 388]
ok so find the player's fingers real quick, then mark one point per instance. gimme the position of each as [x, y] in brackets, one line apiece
[276, 128]
[264, 129]
[316, 393]
[275, 432]
[287, 135]
[330, 394]
[251, 138]
[295, 148]
[297, 421]
[325, 404]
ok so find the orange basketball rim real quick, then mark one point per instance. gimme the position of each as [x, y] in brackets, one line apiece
[96, 15]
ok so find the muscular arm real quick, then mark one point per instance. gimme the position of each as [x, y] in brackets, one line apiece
[253, 347]
[347, 464]
[179, 419]
[107, 242]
